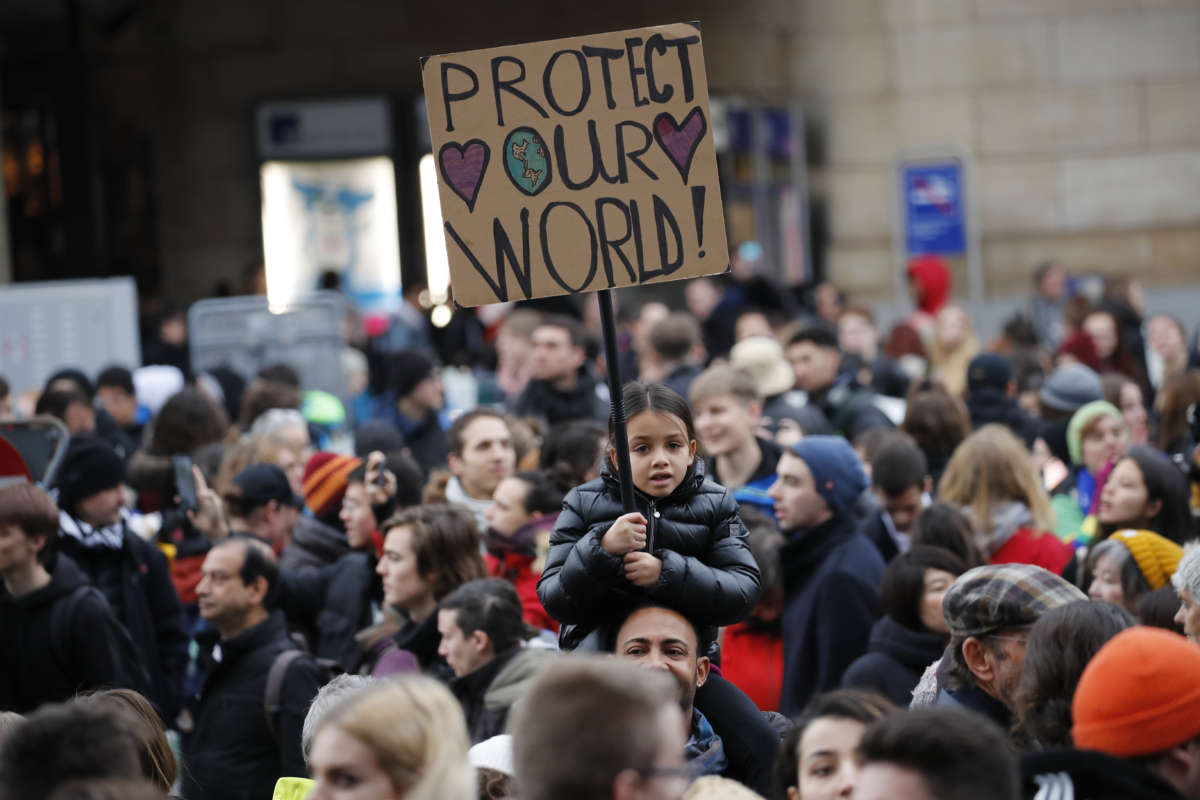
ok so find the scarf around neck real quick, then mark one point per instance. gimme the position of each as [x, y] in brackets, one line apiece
[1007, 518]
[110, 537]
[457, 495]
[704, 751]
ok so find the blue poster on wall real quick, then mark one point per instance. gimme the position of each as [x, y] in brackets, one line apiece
[935, 210]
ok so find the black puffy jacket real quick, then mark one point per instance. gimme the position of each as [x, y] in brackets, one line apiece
[708, 573]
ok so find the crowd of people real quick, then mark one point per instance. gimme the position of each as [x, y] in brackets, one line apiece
[907, 565]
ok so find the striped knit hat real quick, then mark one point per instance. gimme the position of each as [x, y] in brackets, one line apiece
[325, 481]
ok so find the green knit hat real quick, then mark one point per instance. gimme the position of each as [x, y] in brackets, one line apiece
[323, 408]
[1082, 418]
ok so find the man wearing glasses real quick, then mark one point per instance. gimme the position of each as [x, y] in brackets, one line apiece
[989, 611]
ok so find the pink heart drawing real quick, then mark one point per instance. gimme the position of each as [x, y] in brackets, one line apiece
[679, 142]
[463, 166]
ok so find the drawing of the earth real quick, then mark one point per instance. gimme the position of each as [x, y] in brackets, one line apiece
[527, 160]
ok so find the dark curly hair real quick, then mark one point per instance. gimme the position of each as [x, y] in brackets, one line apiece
[188, 420]
[1061, 643]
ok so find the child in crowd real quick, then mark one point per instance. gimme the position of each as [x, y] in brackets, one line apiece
[685, 547]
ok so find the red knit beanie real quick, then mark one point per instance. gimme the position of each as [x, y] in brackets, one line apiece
[1140, 694]
[325, 481]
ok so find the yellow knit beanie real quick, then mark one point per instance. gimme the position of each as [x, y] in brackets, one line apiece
[1156, 556]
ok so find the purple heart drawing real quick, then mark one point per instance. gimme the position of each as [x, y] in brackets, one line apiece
[679, 142]
[463, 166]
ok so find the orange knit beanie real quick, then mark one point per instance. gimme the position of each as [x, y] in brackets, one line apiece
[1140, 694]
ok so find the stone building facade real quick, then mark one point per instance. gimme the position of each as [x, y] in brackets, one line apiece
[1082, 117]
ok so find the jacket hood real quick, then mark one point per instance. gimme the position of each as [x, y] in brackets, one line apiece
[512, 679]
[691, 483]
[322, 541]
[1007, 518]
[913, 649]
[932, 277]
[65, 578]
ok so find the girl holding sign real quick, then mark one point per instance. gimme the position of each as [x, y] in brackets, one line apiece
[685, 548]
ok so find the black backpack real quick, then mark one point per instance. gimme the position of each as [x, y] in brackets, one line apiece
[61, 616]
[327, 668]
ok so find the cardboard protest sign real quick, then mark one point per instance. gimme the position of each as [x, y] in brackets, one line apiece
[575, 165]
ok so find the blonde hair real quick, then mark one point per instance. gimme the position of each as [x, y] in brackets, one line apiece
[991, 466]
[722, 379]
[415, 729]
[950, 364]
[714, 787]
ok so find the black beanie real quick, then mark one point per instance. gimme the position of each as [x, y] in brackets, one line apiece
[409, 367]
[89, 466]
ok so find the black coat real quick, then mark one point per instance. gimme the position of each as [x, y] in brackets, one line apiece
[708, 573]
[1055, 434]
[426, 442]
[875, 528]
[137, 584]
[887, 378]
[41, 666]
[231, 754]
[831, 577]
[333, 602]
[972, 698]
[991, 405]
[681, 378]
[425, 439]
[895, 660]
[422, 639]
[540, 399]
[313, 544]
[489, 692]
[1090, 775]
